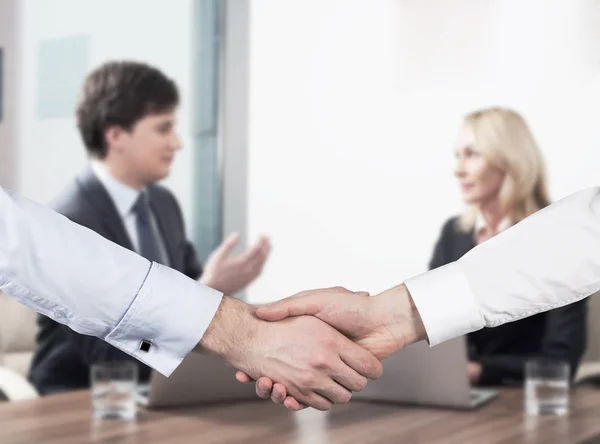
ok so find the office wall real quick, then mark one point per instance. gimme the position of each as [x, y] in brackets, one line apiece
[354, 110]
[50, 151]
[8, 124]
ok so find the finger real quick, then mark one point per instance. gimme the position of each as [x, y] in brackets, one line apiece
[293, 405]
[317, 402]
[254, 252]
[264, 242]
[279, 393]
[361, 361]
[267, 246]
[265, 251]
[335, 392]
[243, 377]
[308, 304]
[228, 245]
[342, 290]
[257, 262]
[310, 397]
[264, 387]
[252, 270]
[350, 376]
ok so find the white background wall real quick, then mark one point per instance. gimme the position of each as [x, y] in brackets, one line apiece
[50, 152]
[355, 107]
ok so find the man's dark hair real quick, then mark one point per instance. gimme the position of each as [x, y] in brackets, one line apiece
[121, 93]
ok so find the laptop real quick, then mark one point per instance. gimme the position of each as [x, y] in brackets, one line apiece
[199, 379]
[416, 375]
[427, 376]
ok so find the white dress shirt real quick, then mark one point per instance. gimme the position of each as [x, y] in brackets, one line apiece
[121, 297]
[124, 197]
[548, 260]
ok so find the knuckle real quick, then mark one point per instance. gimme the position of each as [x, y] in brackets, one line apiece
[330, 342]
[319, 361]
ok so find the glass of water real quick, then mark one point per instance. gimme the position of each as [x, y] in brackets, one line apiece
[547, 387]
[114, 388]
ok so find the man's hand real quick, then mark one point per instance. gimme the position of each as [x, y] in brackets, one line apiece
[474, 372]
[382, 324]
[317, 365]
[230, 274]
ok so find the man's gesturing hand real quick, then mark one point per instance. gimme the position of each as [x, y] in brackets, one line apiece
[230, 274]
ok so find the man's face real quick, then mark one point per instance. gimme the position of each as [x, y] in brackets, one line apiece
[145, 153]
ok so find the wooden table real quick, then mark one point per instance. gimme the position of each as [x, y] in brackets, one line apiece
[66, 419]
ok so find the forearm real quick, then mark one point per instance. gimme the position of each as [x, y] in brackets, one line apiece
[546, 261]
[95, 287]
[64, 270]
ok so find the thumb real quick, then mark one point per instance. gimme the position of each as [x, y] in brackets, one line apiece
[228, 245]
[243, 377]
[294, 306]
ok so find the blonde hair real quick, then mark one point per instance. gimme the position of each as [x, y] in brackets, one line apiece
[504, 139]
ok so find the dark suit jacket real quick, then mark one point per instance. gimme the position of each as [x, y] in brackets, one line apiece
[63, 358]
[502, 351]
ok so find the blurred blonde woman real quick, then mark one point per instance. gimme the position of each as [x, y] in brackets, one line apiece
[502, 177]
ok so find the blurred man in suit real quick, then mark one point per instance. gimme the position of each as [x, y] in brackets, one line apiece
[127, 119]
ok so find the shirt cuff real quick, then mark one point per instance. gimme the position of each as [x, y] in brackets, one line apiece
[171, 312]
[446, 303]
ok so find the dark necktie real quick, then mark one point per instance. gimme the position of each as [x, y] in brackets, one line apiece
[147, 238]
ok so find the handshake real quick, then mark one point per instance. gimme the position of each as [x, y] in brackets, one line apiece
[315, 348]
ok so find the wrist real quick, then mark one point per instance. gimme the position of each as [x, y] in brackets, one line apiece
[232, 328]
[400, 315]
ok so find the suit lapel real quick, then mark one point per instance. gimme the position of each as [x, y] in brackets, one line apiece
[102, 202]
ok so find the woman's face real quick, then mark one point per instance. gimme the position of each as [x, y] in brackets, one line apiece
[479, 180]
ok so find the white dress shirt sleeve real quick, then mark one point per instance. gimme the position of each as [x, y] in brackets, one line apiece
[97, 288]
[546, 261]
